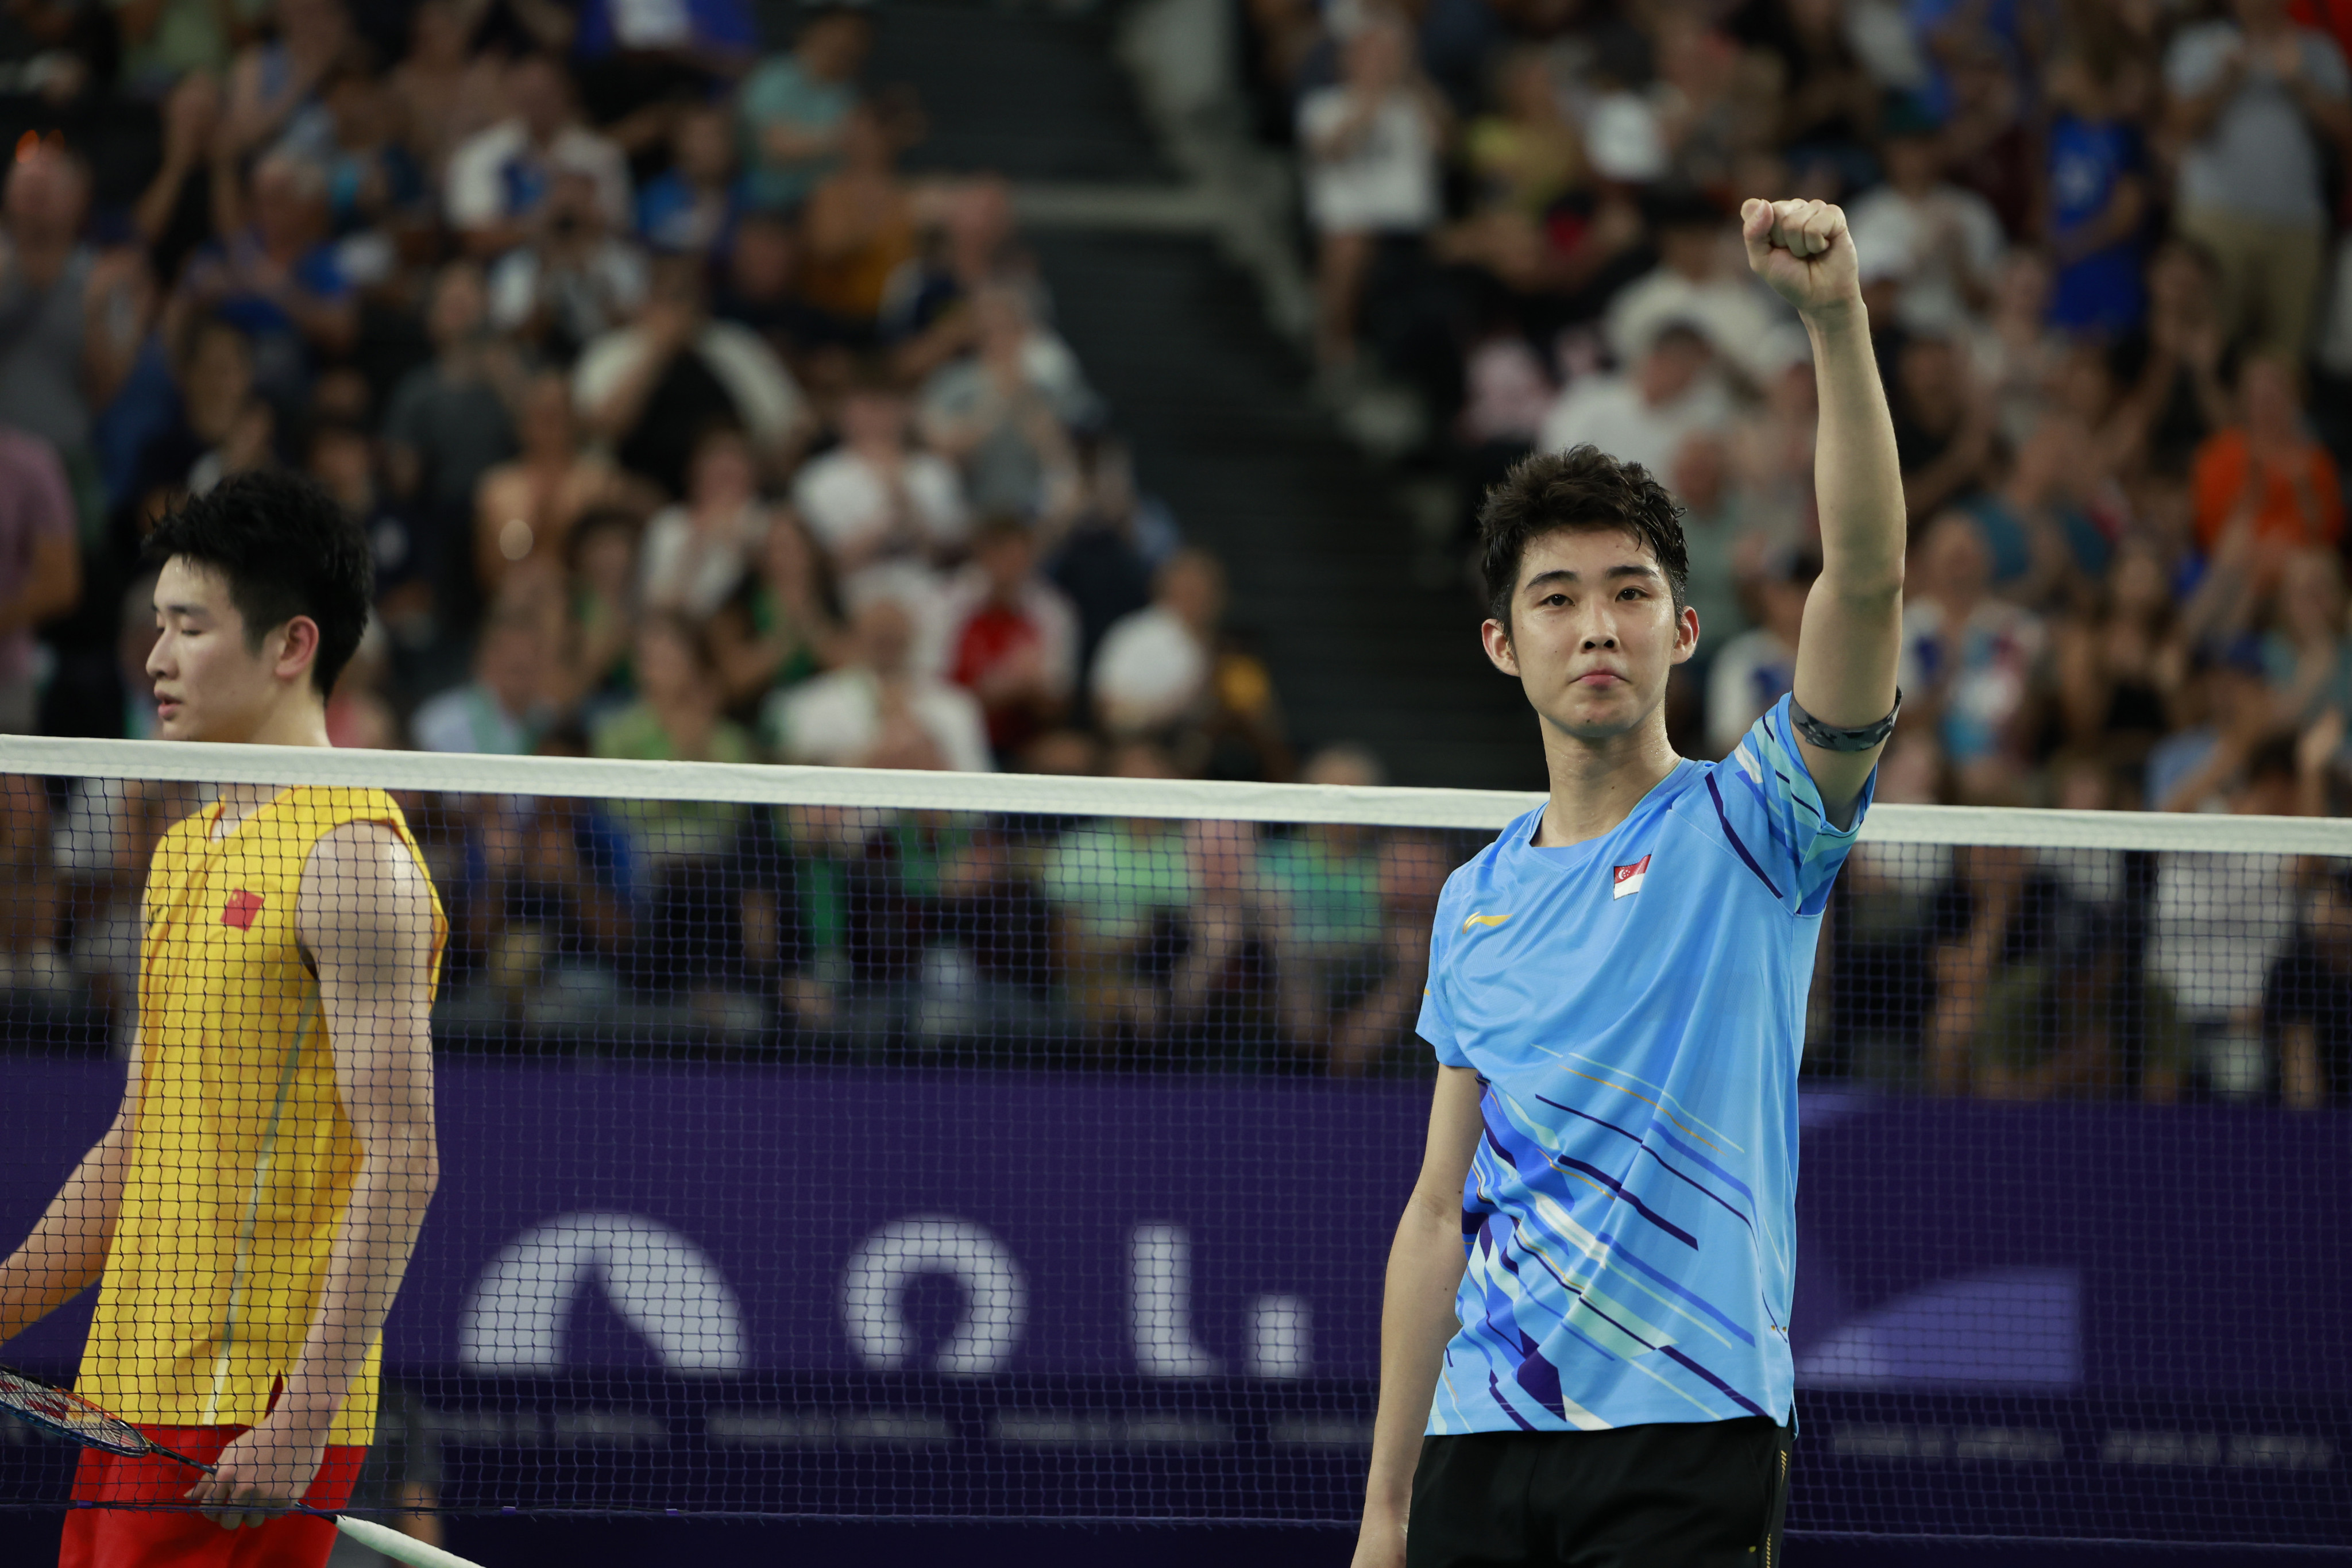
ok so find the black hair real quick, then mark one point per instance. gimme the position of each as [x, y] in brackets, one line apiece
[286, 549]
[1582, 488]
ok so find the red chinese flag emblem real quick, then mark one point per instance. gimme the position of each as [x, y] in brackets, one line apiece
[241, 909]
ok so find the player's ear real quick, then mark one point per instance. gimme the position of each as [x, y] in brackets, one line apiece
[298, 645]
[1686, 634]
[1496, 638]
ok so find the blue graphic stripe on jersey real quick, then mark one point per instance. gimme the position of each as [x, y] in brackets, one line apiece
[1732, 834]
[1588, 1116]
[1705, 1163]
[1624, 1195]
[1695, 1186]
[1742, 1399]
[1618, 1249]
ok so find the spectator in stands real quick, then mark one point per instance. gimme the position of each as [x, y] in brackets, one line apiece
[574, 279]
[1121, 890]
[1702, 281]
[697, 553]
[274, 273]
[273, 79]
[2225, 713]
[1005, 413]
[503, 710]
[2220, 921]
[1643, 414]
[1938, 244]
[639, 63]
[883, 508]
[690, 935]
[218, 426]
[2258, 103]
[2304, 653]
[525, 509]
[174, 215]
[2071, 1024]
[793, 107]
[78, 318]
[1330, 945]
[860, 226]
[880, 708]
[1972, 658]
[652, 387]
[691, 209]
[499, 179]
[1014, 637]
[544, 908]
[1750, 669]
[1372, 143]
[2119, 667]
[2099, 199]
[1154, 667]
[447, 422]
[1944, 423]
[784, 625]
[2266, 474]
[2307, 1002]
[447, 94]
[40, 569]
[596, 623]
[677, 715]
[1718, 534]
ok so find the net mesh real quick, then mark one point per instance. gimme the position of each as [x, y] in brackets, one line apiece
[933, 1158]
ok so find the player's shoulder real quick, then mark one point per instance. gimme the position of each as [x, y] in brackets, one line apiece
[1488, 867]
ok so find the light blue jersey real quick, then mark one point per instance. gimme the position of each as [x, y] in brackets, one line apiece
[1636, 1006]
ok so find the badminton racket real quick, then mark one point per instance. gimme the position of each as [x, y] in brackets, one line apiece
[67, 1414]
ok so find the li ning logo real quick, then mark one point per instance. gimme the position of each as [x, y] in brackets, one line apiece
[1629, 878]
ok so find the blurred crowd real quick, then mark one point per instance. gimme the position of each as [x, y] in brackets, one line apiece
[684, 424]
[2105, 247]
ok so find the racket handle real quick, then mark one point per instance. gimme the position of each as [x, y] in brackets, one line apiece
[398, 1547]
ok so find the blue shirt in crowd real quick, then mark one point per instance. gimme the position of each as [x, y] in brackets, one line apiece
[2100, 292]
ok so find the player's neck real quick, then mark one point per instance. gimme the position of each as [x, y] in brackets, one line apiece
[1596, 783]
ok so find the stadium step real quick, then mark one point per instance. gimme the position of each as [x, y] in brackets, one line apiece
[1329, 576]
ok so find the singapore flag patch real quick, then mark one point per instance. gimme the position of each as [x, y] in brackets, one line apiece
[1629, 878]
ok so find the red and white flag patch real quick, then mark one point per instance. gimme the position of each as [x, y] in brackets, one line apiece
[1629, 878]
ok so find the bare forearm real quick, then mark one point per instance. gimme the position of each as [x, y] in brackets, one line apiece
[1856, 474]
[67, 1251]
[1417, 1318]
[365, 1269]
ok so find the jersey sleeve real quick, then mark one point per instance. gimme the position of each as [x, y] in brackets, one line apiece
[1436, 1024]
[1771, 814]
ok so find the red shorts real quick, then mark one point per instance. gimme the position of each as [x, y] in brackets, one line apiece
[109, 1528]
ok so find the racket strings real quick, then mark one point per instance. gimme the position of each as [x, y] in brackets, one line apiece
[67, 1413]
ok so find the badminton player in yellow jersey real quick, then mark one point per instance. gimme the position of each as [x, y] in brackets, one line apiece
[249, 1214]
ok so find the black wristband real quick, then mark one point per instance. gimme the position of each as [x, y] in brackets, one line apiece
[1830, 738]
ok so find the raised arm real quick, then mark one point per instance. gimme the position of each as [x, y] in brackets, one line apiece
[1425, 1264]
[365, 918]
[1852, 631]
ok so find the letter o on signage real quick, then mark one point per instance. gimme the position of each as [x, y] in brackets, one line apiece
[874, 1294]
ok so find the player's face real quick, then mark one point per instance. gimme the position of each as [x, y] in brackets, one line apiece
[209, 684]
[1593, 632]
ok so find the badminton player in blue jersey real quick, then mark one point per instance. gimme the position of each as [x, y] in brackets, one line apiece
[1585, 1351]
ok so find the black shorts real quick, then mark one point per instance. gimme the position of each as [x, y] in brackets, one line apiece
[1705, 1494]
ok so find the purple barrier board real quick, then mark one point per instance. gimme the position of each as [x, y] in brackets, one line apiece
[2137, 1312]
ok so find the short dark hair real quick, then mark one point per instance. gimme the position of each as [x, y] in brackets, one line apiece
[286, 549]
[1582, 488]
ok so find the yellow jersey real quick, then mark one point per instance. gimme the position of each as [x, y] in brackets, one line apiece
[242, 1161]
